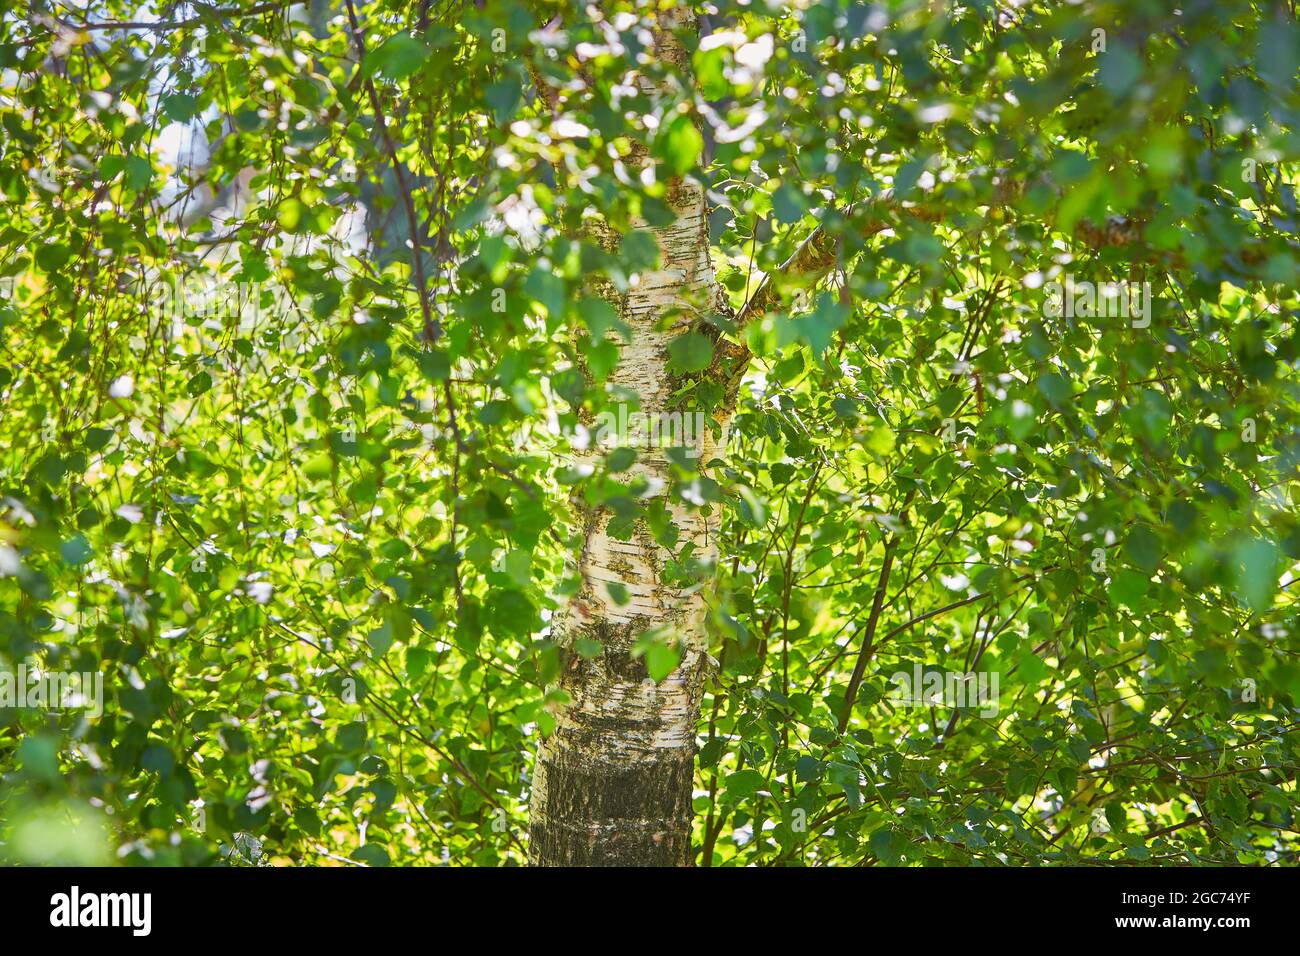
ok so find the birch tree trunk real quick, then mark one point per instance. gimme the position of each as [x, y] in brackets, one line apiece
[612, 785]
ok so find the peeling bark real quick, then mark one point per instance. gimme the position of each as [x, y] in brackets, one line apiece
[612, 785]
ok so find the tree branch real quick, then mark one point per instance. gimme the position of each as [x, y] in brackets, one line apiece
[819, 252]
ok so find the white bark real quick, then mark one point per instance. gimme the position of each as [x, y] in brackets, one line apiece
[612, 785]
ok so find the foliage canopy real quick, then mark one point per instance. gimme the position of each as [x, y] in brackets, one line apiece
[302, 314]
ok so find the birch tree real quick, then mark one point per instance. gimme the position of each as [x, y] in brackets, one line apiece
[613, 784]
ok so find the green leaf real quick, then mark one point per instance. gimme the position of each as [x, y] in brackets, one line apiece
[181, 107]
[139, 173]
[1143, 548]
[51, 257]
[690, 352]
[819, 326]
[1055, 388]
[372, 854]
[679, 144]
[1256, 563]
[661, 660]
[744, 783]
[1128, 587]
[380, 638]
[76, 551]
[504, 96]
[398, 57]
[888, 846]
[1031, 668]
